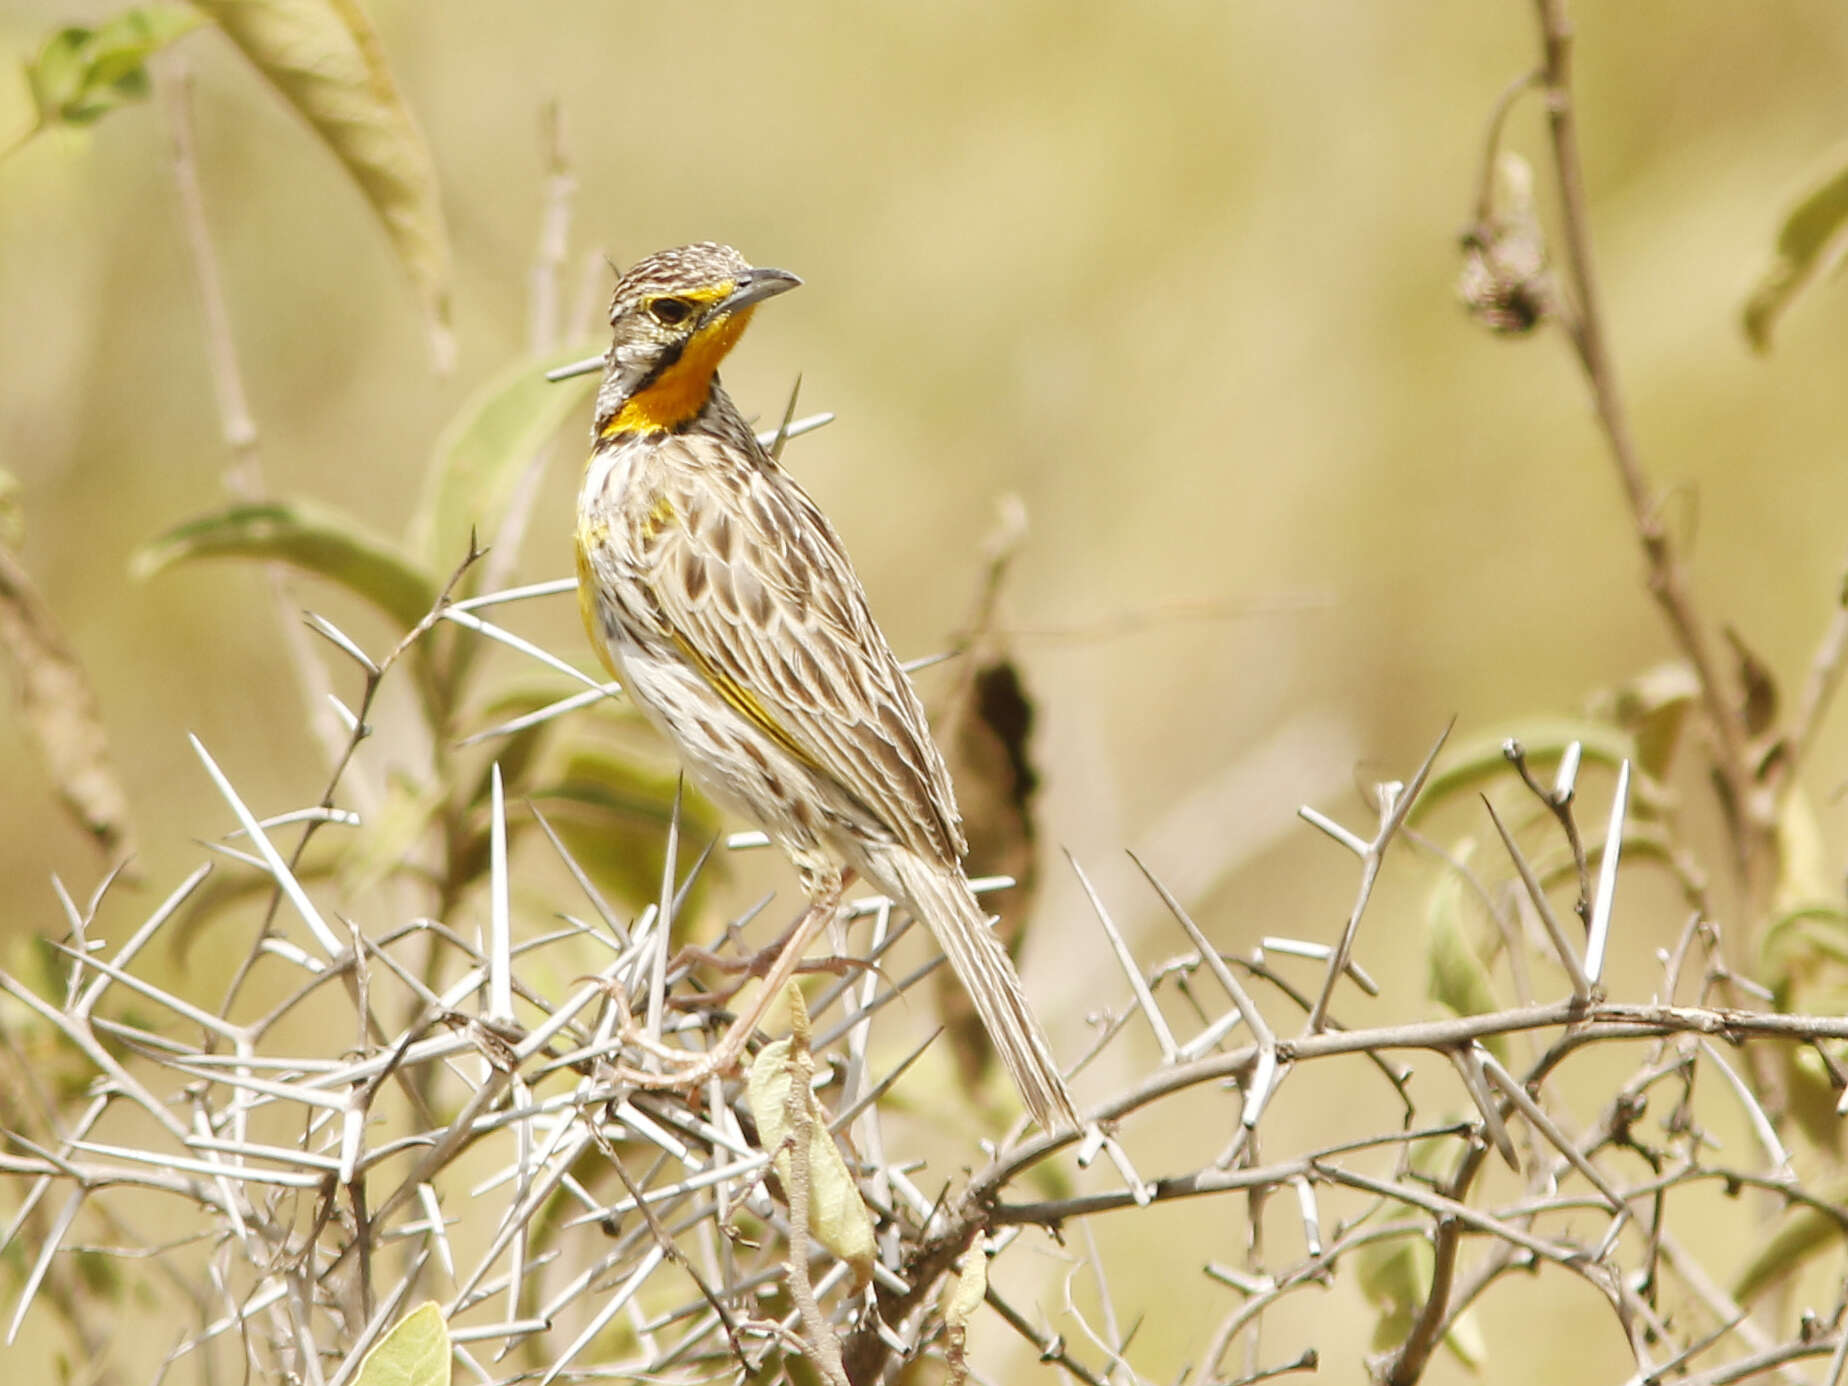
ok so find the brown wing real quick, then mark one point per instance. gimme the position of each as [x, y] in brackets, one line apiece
[761, 598]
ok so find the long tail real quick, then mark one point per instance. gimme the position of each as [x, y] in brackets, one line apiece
[940, 896]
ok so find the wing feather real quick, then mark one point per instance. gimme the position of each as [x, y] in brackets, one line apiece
[758, 593]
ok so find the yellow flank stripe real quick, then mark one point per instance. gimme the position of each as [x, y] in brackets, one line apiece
[735, 694]
[742, 701]
[587, 608]
[680, 391]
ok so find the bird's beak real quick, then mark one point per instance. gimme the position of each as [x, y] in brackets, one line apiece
[754, 286]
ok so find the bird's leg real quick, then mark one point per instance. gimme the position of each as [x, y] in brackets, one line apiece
[758, 964]
[690, 1070]
[754, 966]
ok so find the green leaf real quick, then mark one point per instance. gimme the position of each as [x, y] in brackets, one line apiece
[12, 512]
[1805, 872]
[1807, 930]
[413, 1352]
[19, 113]
[1394, 1274]
[325, 58]
[102, 1276]
[1804, 1233]
[1810, 1094]
[225, 890]
[388, 840]
[82, 74]
[1472, 764]
[486, 448]
[1796, 944]
[1457, 974]
[310, 537]
[1811, 240]
[837, 1214]
[612, 815]
[596, 777]
[1653, 707]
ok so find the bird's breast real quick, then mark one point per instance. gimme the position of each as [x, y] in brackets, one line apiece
[618, 518]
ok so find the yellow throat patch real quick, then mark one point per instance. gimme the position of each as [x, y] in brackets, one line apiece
[680, 391]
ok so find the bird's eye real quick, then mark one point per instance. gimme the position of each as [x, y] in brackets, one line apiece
[670, 312]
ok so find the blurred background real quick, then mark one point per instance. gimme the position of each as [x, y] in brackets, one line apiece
[1179, 275]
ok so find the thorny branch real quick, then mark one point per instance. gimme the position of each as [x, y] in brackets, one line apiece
[1753, 763]
[244, 477]
[506, 1158]
[577, 1252]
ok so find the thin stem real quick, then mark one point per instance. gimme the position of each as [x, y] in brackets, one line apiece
[1667, 579]
[244, 477]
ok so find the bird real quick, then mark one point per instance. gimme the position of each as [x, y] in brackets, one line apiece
[719, 595]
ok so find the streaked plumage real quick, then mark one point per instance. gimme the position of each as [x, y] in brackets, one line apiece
[720, 595]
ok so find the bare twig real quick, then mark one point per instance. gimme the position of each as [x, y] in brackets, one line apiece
[1667, 579]
[1396, 803]
[244, 478]
[1819, 689]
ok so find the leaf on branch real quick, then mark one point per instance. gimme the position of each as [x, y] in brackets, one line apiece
[1653, 708]
[388, 839]
[1811, 1093]
[1806, 871]
[1395, 1275]
[1458, 949]
[12, 512]
[60, 710]
[325, 58]
[965, 1297]
[986, 734]
[1803, 958]
[484, 450]
[1804, 1234]
[82, 74]
[1758, 683]
[413, 1352]
[1478, 763]
[226, 890]
[316, 540]
[837, 1214]
[613, 813]
[593, 775]
[1805, 933]
[1810, 242]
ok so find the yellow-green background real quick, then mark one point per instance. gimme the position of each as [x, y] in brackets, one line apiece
[1179, 274]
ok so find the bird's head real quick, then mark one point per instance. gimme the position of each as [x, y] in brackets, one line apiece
[674, 315]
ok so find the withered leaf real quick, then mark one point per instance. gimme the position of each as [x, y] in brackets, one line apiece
[986, 733]
[60, 710]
